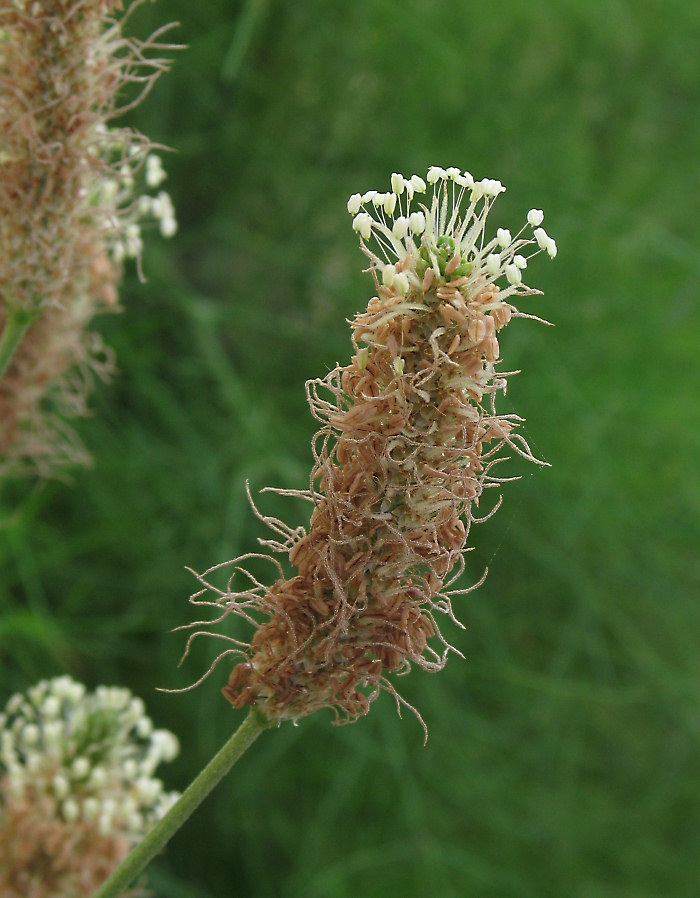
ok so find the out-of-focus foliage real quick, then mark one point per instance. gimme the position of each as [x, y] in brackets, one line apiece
[563, 754]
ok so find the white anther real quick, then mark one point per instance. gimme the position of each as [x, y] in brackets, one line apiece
[541, 237]
[400, 228]
[30, 734]
[70, 810]
[155, 173]
[390, 203]
[80, 767]
[503, 237]
[398, 182]
[513, 274]
[51, 707]
[416, 222]
[168, 226]
[401, 283]
[435, 173]
[61, 786]
[362, 222]
[354, 203]
[493, 263]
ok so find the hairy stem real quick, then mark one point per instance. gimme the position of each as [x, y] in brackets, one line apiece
[141, 855]
[16, 324]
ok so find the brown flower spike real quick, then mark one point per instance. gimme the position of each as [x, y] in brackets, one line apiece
[409, 440]
[69, 212]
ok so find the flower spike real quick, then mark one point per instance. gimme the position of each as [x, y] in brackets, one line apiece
[409, 440]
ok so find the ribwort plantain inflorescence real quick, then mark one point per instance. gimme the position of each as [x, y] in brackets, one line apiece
[409, 440]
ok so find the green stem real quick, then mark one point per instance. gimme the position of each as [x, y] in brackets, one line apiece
[16, 324]
[196, 792]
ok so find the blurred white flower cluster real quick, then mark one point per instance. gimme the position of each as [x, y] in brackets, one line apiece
[93, 755]
[123, 197]
[77, 787]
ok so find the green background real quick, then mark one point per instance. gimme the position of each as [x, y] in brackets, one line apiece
[563, 757]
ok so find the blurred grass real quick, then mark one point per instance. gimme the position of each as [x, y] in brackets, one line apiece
[563, 755]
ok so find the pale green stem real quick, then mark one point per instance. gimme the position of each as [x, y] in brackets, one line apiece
[16, 324]
[141, 855]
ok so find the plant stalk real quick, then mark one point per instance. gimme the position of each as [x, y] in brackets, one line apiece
[16, 324]
[141, 855]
